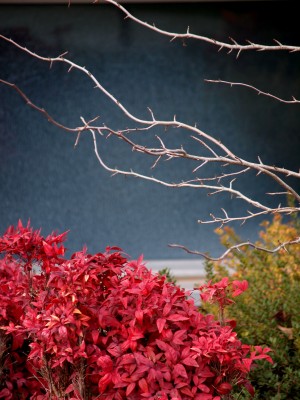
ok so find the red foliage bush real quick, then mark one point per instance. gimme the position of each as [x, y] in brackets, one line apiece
[100, 326]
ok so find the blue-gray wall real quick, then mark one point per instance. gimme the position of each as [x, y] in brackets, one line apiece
[58, 187]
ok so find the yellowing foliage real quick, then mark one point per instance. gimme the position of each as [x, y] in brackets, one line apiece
[268, 313]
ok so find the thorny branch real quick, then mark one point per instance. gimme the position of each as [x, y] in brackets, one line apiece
[234, 46]
[238, 247]
[231, 47]
[259, 92]
[210, 150]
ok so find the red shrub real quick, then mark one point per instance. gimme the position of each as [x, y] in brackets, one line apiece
[99, 326]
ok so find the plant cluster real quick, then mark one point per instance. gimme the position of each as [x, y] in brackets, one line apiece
[100, 326]
[269, 312]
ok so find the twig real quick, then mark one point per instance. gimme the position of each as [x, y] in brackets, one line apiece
[238, 247]
[259, 92]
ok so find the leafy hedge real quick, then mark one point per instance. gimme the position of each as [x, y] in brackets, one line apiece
[100, 326]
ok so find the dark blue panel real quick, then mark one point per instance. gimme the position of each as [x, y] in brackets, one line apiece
[58, 187]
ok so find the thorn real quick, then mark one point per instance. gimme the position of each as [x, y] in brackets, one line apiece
[231, 182]
[63, 54]
[77, 139]
[151, 113]
[226, 215]
[276, 41]
[234, 41]
[238, 54]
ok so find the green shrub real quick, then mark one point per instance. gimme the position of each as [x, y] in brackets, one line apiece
[168, 274]
[268, 313]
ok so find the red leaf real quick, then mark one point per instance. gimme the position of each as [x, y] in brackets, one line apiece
[104, 382]
[69, 389]
[167, 308]
[114, 349]
[179, 370]
[190, 361]
[48, 249]
[224, 388]
[130, 388]
[95, 336]
[247, 363]
[177, 318]
[162, 345]
[249, 388]
[105, 363]
[240, 287]
[160, 324]
[178, 335]
[204, 388]
[139, 316]
[187, 391]
[143, 385]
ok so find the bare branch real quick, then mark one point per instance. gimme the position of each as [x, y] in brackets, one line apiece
[259, 92]
[196, 184]
[218, 153]
[234, 46]
[35, 107]
[224, 176]
[230, 158]
[223, 221]
[233, 159]
[238, 247]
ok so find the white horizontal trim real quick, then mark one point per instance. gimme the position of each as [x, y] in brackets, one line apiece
[186, 269]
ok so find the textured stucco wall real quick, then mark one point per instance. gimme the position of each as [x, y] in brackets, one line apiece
[58, 187]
